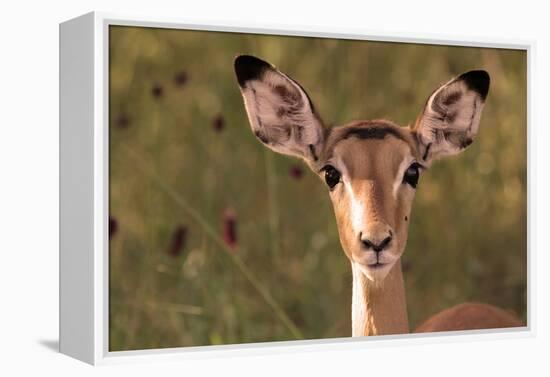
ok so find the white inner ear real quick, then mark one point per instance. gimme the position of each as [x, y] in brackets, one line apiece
[451, 119]
[278, 119]
[463, 113]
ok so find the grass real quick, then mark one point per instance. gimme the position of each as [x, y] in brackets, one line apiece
[184, 273]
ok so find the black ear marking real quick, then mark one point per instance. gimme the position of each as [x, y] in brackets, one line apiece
[261, 137]
[281, 111]
[291, 98]
[452, 98]
[426, 152]
[313, 154]
[249, 68]
[466, 142]
[478, 81]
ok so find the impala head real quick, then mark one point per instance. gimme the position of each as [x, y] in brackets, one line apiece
[371, 168]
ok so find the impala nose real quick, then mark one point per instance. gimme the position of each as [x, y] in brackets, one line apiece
[376, 245]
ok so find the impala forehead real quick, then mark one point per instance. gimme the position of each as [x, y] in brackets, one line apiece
[372, 159]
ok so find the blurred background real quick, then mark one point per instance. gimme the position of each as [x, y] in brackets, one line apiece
[214, 239]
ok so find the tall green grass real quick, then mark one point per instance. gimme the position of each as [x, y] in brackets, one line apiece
[182, 157]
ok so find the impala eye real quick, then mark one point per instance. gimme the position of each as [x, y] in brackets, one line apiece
[332, 176]
[411, 175]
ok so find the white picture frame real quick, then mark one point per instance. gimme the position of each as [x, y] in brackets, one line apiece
[84, 184]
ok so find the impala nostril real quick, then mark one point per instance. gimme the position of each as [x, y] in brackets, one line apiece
[384, 243]
[368, 244]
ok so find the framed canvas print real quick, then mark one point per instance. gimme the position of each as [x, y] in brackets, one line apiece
[231, 189]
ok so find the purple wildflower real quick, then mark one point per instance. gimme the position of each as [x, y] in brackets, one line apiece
[113, 226]
[181, 78]
[230, 228]
[122, 121]
[218, 123]
[177, 244]
[157, 90]
[296, 172]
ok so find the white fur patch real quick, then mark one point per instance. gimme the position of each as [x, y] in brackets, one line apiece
[357, 209]
[358, 302]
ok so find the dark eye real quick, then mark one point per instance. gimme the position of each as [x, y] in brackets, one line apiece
[411, 175]
[332, 176]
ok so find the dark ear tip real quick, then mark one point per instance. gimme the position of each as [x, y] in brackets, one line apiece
[249, 67]
[477, 80]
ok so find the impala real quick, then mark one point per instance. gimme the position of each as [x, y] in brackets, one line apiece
[371, 169]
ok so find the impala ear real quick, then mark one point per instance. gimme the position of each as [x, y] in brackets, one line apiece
[450, 120]
[279, 111]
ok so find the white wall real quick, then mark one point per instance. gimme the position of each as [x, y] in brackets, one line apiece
[29, 185]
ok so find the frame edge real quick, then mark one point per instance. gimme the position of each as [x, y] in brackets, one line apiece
[76, 195]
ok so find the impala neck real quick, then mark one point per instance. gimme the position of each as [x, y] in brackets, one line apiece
[379, 308]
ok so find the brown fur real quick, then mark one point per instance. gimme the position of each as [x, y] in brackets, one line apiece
[469, 316]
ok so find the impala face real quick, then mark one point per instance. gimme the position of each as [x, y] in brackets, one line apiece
[371, 168]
